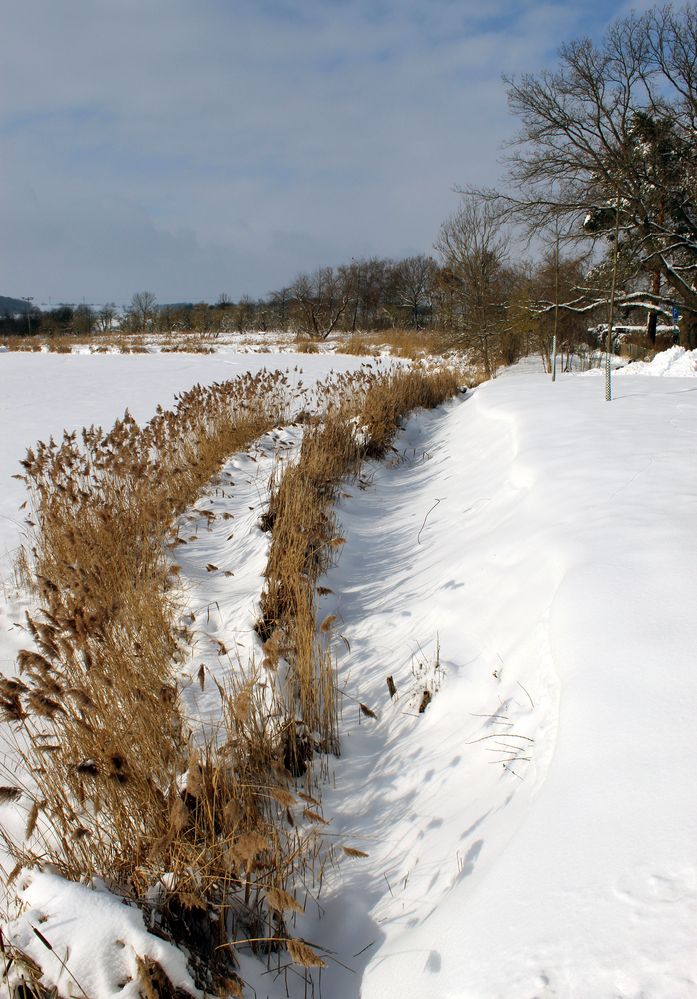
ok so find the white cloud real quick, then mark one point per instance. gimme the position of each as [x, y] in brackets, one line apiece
[182, 143]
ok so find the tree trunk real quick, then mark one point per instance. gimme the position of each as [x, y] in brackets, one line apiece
[651, 325]
[652, 320]
[487, 364]
[688, 330]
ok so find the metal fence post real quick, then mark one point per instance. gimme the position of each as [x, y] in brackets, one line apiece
[608, 345]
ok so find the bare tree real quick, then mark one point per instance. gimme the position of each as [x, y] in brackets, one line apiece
[553, 282]
[246, 314]
[143, 309]
[321, 299]
[278, 302]
[84, 320]
[414, 284]
[106, 316]
[351, 280]
[611, 132]
[474, 248]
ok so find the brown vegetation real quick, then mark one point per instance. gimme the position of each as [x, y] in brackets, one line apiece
[214, 834]
[305, 539]
[115, 785]
[408, 343]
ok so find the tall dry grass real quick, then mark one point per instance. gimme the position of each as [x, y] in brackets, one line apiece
[406, 343]
[305, 538]
[215, 840]
[111, 341]
[115, 786]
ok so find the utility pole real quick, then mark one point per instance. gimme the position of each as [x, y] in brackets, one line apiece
[29, 299]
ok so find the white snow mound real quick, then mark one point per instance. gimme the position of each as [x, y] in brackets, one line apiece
[95, 940]
[676, 362]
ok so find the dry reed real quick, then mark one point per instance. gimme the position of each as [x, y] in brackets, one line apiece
[113, 787]
[361, 425]
[407, 343]
[214, 837]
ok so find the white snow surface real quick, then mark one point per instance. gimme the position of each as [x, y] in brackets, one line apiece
[222, 609]
[532, 833]
[95, 940]
[559, 571]
[677, 362]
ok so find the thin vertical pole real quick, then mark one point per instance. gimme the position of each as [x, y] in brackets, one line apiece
[556, 305]
[608, 346]
[28, 300]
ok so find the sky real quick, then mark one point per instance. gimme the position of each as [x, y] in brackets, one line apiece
[199, 147]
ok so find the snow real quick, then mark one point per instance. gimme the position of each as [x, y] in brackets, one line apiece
[222, 610]
[558, 570]
[677, 362]
[95, 940]
[528, 556]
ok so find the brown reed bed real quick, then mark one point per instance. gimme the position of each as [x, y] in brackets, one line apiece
[406, 343]
[305, 538]
[187, 342]
[215, 840]
[114, 784]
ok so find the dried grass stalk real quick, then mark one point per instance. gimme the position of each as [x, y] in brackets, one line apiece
[303, 955]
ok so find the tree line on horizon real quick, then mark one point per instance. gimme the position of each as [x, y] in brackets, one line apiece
[417, 293]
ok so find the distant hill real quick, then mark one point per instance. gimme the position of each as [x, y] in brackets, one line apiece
[11, 305]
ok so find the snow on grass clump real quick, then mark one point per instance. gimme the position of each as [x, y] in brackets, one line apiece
[88, 942]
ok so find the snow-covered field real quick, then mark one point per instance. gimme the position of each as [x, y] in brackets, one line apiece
[530, 557]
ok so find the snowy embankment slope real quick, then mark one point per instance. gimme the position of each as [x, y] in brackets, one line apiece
[534, 832]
